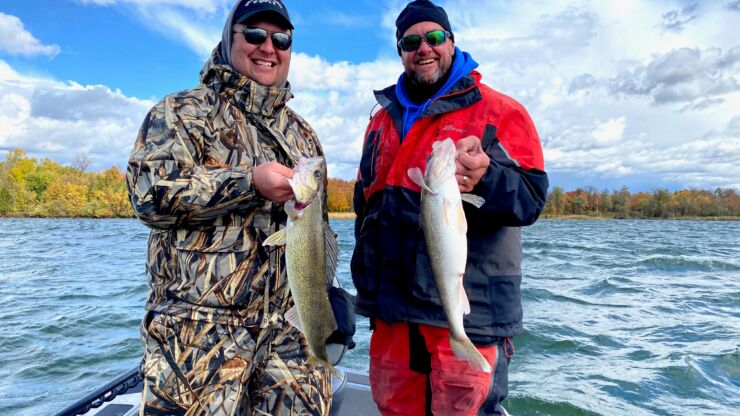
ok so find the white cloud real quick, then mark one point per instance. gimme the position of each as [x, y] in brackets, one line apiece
[683, 76]
[16, 40]
[200, 5]
[60, 120]
[609, 133]
[617, 89]
[336, 99]
[14, 112]
[676, 20]
[196, 23]
[7, 73]
[614, 91]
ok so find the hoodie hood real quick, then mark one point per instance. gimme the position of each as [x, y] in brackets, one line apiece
[224, 48]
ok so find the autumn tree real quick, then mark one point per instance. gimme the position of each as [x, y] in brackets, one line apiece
[29, 187]
[339, 195]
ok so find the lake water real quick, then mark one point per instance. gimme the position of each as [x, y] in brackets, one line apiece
[622, 317]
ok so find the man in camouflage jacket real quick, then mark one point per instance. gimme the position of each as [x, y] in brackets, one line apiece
[208, 174]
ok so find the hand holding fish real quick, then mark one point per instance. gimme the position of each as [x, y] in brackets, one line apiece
[471, 163]
[271, 181]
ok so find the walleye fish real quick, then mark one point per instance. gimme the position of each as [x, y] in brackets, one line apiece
[311, 255]
[445, 228]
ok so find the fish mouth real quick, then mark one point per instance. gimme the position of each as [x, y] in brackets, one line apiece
[300, 206]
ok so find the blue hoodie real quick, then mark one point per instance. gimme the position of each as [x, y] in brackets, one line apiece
[461, 66]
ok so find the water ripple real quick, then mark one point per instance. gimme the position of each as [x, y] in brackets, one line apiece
[621, 317]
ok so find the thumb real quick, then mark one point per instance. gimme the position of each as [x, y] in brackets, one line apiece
[470, 145]
[283, 170]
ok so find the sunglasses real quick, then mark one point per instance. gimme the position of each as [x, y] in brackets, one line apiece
[413, 42]
[258, 36]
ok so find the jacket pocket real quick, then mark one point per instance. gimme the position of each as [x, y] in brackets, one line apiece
[161, 264]
[495, 303]
[494, 273]
[215, 266]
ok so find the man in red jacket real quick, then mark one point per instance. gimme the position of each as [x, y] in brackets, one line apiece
[412, 368]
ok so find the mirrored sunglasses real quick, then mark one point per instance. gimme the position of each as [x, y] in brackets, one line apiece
[413, 42]
[258, 36]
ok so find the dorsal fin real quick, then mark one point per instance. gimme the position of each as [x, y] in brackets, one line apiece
[332, 253]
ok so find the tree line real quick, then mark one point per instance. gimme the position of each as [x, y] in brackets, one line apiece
[33, 188]
[44, 188]
[660, 203]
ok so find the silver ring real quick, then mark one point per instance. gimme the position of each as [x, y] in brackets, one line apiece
[465, 179]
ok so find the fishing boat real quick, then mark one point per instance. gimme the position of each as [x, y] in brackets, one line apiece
[122, 396]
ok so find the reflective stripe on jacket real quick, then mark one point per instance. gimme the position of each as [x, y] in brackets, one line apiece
[390, 264]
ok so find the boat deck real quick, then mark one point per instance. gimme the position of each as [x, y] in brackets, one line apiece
[121, 397]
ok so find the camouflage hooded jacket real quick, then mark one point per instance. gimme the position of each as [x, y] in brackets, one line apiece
[190, 179]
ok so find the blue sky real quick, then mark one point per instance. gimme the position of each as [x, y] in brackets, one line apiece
[639, 93]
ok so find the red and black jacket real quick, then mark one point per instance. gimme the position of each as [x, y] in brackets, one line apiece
[390, 264]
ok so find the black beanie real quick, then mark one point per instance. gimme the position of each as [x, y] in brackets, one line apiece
[421, 11]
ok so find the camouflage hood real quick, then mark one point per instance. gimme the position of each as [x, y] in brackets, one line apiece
[241, 91]
[190, 180]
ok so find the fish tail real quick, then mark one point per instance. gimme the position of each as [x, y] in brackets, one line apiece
[324, 363]
[465, 350]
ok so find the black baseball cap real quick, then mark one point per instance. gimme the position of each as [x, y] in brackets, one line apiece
[250, 8]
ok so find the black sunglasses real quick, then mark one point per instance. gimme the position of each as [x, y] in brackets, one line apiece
[257, 36]
[413, 42]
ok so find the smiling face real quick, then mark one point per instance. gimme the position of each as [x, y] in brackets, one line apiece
[428, 64]
[262, 63]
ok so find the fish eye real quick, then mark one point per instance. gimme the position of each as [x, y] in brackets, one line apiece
[317, 173]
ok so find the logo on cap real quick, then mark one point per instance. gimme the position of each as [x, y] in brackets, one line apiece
[272, 2]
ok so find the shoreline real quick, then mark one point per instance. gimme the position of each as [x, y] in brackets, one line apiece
[604, 218]
[351, 216]
[342, 215]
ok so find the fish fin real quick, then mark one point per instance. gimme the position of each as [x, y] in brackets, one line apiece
[318, 361]
[464, 302]
[291, 184]
[473, 199]
[294, 318]
[277, 239]
[332, 254]
[418, 178]
[446, 208]
[462, 223]
[465, 350]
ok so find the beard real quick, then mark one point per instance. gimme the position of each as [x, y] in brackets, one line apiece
[427, 80]
[431, 79]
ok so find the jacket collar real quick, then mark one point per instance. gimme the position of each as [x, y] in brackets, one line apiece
[463, 93]
[242, 92]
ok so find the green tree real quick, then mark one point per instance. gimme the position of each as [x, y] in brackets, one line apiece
[620, 200]
[661, 204]
[556, 202]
